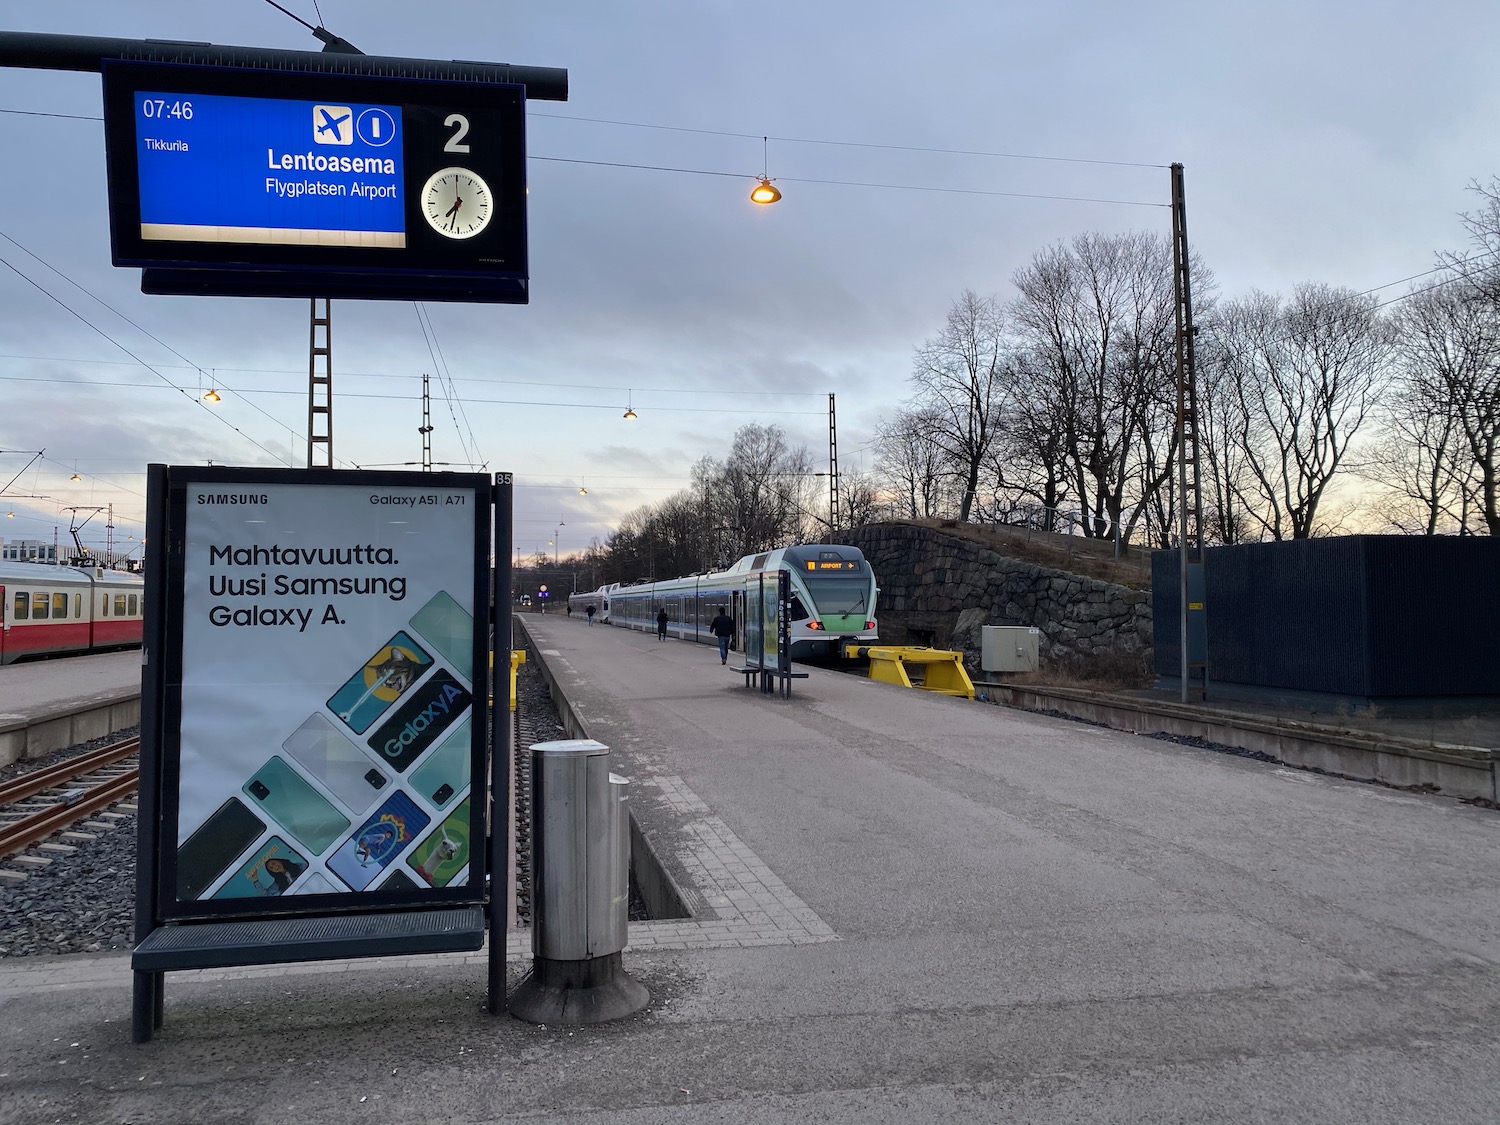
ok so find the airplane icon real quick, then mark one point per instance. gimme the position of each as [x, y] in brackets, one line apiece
[332, 125]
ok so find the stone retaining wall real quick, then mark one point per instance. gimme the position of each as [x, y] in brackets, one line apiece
[961, 586]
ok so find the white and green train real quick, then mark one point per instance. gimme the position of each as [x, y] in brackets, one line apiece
[832, 600]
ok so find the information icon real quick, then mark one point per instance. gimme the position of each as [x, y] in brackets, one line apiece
[376, 127]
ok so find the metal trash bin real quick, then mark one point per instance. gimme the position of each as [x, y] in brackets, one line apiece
[580, 880]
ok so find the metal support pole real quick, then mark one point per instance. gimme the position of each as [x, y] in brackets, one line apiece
[1193, 635]
[833, 470]
[148, 987]
[501, 750]
[320, 386]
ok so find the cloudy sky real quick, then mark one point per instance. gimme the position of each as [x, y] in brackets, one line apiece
[921, 150]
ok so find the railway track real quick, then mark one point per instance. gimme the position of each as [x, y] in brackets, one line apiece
[39, 804]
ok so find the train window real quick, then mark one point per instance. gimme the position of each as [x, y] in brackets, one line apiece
[103, 605]
[60, 606]
[132, 611]
[23, 607]
[77, 605]
[39, 607]
[119, 605]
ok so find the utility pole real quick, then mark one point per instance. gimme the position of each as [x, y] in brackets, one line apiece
[833, 469]
[1190, 585]
[426, 428]
[320, 386]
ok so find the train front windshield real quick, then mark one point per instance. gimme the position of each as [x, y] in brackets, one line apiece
[840, 594]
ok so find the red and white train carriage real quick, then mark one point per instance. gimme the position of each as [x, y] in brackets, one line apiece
[46, 610]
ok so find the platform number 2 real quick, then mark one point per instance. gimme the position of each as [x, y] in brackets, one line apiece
[460, 125]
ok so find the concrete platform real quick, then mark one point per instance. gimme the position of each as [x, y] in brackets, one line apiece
[48, 704]
[984, 915]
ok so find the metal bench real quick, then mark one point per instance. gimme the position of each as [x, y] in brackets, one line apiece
[768, 676]
[274, 941]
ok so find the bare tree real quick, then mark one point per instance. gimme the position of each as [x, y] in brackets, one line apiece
[1305, 376]
[1097, 317]
[763, 483]
[1223, 458]
[1027, 467]
[1443, 421]
[909, 464]
[858, 500]
[961, 377]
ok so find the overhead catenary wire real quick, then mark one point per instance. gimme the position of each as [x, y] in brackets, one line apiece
[470, 446]
[407, 398]
[144, 331]
[95, 328]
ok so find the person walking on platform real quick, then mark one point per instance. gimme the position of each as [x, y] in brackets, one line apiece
[661, 623]
[592, 609]
[722, 627]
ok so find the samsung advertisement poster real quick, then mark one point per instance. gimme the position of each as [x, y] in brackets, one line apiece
[330, 637]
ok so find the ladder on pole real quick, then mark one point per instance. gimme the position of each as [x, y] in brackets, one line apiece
[833, 468]
[320, 386]
[426, 428]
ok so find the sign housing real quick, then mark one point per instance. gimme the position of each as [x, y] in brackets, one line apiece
[257, 183]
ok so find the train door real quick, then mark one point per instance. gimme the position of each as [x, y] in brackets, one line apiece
[737, 611]
[4, 623]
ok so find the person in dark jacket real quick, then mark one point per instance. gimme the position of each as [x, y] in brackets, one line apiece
[661, 623]
[592, 609]
[722, 627]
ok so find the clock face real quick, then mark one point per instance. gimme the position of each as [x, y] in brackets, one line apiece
[457, 203]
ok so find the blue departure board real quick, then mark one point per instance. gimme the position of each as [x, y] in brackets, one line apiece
[236, 181]
[260, 170]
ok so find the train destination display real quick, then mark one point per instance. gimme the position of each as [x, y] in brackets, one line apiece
[331, 725]
[261, 170]
[257, 183]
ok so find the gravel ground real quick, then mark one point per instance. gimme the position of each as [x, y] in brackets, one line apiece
[84, 901]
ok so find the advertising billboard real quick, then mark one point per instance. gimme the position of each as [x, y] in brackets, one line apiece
[323, 723]
[267, 183]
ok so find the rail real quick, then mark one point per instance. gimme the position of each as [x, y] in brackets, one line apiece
[71, 803]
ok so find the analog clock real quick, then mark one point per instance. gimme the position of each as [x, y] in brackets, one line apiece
[457, 203]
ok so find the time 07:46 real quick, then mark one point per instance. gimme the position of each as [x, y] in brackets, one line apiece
[160, 107]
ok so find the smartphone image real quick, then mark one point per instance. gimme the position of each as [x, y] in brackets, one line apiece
[445, 853]
[449, 628]
[270, 872]
[344, 769]
[390, 830]
[440, 702]
[291, 802]
[396, 665]
[318, 884]
[445, 773]
[399, 881]
[213, 846]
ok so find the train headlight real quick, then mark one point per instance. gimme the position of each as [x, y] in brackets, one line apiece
[869, 624]
[814, 624]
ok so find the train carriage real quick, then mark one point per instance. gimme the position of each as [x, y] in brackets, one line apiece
[832, 602]
[48, 610]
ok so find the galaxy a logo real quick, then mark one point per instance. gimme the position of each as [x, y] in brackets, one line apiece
[426, 714]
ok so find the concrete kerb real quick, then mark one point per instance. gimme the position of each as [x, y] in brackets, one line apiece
[39, 733]
[1456, 771]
